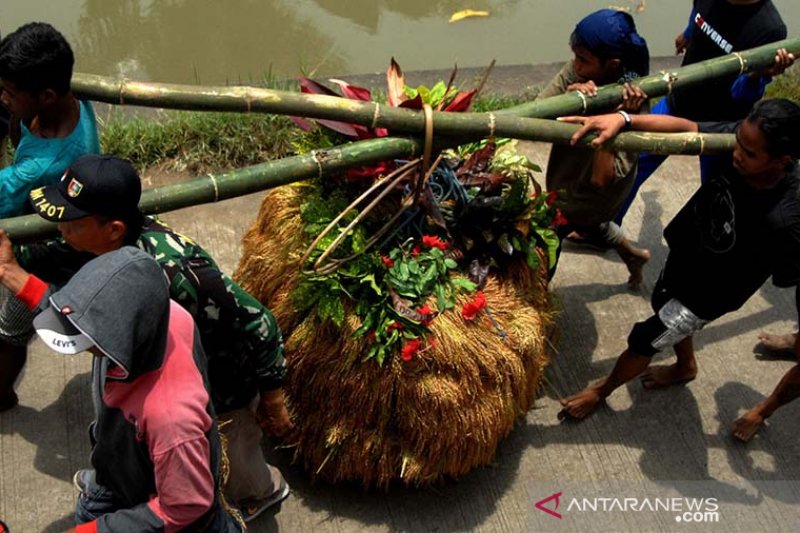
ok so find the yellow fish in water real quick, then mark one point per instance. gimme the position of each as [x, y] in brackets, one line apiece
[466, 13]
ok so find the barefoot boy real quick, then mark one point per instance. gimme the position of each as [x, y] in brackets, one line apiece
[607, 49]
[740, 228]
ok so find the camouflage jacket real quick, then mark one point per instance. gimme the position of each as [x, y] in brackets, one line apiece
[239, 335]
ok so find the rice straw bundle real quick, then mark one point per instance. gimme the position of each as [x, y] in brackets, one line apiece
[440, 414]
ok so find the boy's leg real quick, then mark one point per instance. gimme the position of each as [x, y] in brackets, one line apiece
[682, 371]
[12, 360]
[628, 366]
[94, 500]
[16, 329]
[251, 480]
[778, 342]
[633, 257]
[673, 325]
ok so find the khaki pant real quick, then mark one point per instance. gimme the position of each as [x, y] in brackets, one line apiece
[250, 476]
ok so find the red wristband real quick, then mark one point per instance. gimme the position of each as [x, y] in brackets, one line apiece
[32, 292]
[87, 527]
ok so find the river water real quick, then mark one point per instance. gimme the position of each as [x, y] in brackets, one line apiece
[246, 41]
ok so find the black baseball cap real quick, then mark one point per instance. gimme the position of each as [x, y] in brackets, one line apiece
[92, 185]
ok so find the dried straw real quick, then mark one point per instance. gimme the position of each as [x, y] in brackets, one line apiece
[440, 415]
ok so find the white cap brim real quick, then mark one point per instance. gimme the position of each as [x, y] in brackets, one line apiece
[59, 333]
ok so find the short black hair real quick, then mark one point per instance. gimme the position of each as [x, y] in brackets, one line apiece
[37, 57]
[778, 120]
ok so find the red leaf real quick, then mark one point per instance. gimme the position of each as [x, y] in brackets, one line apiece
[461, 102]
[394, 84]
[348, 130]
[353, 92]
[479, 161]
[301, 123]
[559, 219]
[307, 85]
[416, 103]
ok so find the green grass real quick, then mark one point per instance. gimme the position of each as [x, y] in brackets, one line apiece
[787, 85]
[199, 141]
[492, 102]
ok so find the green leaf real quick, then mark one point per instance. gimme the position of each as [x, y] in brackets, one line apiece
[365, 326]
[330, 308]
[450, 263]
[464, 284]
[413, 267]
[531, 257]
[380, 354]
[429, 274]
[373, 351]
[402, 271]
[441, 298]
[371, 280]
[550, 238]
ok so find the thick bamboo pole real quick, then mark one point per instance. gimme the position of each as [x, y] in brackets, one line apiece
[213, 188]
[251, 99]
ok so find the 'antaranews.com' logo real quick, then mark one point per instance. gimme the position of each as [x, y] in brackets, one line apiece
[689, 510]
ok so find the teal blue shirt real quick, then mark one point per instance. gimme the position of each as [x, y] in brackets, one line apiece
[39, 161]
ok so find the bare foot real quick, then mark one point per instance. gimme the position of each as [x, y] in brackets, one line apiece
[778, 343]
[583, 403]
[747, 425]
[635, 259]
[659, 377]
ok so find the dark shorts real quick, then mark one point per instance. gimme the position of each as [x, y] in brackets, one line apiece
[672, 322]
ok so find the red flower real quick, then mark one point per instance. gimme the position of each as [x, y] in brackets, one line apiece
[426, 311]
[432, 241]
[387, 261]
[410, 349]
[552, 196]
[471, 309]
[559, 219]
[415, 250]
[394, 325]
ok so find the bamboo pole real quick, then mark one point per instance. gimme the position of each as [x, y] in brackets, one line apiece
[213, 188]
[460, 126]
[372, 114]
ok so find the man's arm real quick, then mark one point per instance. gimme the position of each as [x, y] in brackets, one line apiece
[608, 126]
[749, 88]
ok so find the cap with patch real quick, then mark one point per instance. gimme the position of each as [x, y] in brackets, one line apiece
[92, 185]
[59, 333]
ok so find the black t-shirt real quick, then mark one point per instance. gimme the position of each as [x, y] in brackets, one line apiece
[719, 28]
[730, 238]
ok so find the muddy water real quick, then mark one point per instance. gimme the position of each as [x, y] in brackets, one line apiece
[232, 41]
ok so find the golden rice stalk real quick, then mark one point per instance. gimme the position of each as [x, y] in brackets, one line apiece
[437, 416]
